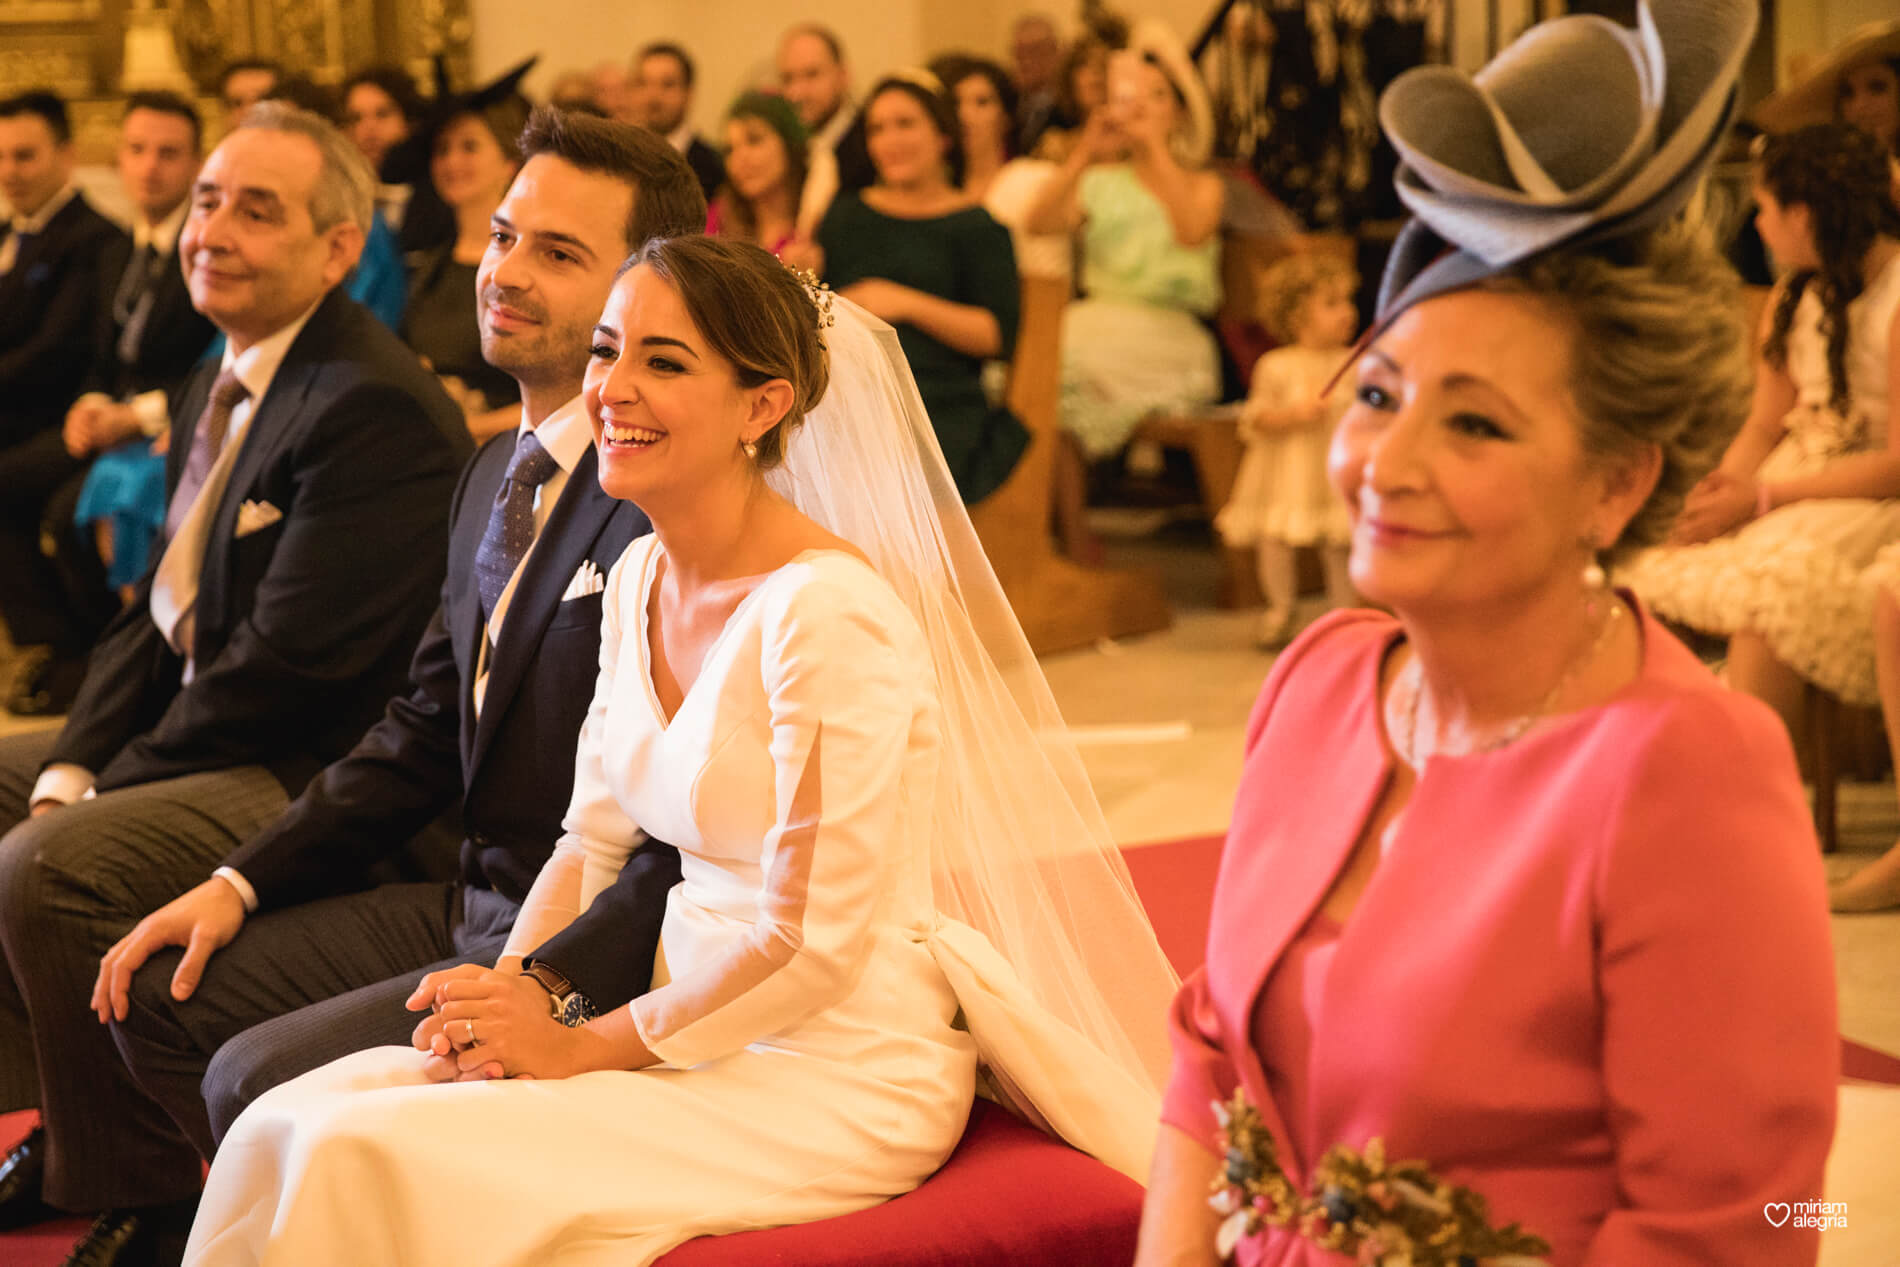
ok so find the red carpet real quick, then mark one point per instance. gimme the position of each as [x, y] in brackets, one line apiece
[1174, 879]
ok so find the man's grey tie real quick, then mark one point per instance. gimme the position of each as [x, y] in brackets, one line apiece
[206, 442]
[132, 303]
[511, 520]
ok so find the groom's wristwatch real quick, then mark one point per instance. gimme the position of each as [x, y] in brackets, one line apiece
[566, 1004]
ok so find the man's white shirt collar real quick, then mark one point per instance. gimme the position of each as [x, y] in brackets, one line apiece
[258, 364]
[38, 221]
[163, 236]
[565, 434]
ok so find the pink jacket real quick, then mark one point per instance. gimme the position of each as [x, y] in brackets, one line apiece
[1592, 980]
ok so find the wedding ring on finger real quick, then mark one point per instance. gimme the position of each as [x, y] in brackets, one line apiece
[472, 1040]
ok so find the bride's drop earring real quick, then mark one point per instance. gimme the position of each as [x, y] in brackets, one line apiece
[751, 449]
[1594, 578]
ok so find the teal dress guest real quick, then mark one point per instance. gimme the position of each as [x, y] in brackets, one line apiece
[966, 257]
[380, 284]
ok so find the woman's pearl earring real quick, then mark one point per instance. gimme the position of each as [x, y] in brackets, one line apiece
[751, 450]
[1594, 577]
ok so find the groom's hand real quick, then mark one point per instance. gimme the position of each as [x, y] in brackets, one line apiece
[500, 1025]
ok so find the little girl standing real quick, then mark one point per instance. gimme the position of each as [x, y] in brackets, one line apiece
[1281, 498]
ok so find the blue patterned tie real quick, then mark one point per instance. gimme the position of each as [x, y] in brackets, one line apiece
[511, 522]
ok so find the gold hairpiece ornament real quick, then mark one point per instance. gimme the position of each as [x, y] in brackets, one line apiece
[820, 295]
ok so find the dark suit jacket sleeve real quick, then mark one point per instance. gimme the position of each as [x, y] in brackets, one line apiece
[377, 473]
[57, 350]
[398, 778]
[607, 952]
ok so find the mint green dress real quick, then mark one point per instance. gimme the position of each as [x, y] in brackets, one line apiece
[1136, 342]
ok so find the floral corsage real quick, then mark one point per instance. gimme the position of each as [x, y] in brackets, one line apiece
[1383, 1215]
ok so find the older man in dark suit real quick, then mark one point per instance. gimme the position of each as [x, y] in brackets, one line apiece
[50, 255]
[289, 959]
[309, 474]
[146, 337]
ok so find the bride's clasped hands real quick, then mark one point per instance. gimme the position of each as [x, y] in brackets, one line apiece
[488, 1023]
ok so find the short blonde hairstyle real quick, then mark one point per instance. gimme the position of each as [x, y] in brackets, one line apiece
[1286, 286]
[1660, 356]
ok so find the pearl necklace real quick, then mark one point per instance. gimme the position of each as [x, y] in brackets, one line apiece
[1408, 689]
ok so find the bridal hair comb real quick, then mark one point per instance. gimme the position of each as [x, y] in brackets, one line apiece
[820, 295]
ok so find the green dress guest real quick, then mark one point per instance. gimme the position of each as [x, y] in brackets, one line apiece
[915, 252]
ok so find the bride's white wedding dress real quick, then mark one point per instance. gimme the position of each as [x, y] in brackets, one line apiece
[813, 1061]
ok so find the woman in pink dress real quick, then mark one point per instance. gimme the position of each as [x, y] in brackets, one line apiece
[1519, 951]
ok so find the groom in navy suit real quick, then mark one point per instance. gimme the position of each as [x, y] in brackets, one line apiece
[288, 961]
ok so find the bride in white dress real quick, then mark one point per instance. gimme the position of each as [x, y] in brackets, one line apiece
[893, 870]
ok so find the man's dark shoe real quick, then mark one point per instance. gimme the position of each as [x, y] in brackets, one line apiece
[20, 1173]
[149, 1236]
[117, 1238]
[44, 684]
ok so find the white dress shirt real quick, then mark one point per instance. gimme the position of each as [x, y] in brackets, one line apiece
[255, 367]
[153, 409]
[821, 169]
[565, 434]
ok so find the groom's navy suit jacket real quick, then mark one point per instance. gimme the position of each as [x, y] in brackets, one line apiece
[513, 769]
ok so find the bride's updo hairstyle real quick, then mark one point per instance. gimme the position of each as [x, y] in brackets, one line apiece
[753, 311]
[1659, 355]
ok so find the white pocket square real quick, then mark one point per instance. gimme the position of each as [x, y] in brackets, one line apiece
[256, 516]
[587, 580]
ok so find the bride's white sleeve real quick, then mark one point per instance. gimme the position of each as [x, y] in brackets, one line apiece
[597, 836]
[842, 700]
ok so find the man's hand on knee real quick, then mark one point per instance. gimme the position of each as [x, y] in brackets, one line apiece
[203, 921]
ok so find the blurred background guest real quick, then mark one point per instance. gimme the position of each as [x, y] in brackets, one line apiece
[474, 157]
[245, 83]
[814, 77]
[1857, 82]
[146, 339]
[381, 111]
[912, 250]
[1149, 215]
[1773, 545]
[51, 251]
[1081, 88]
[662, 99]
[995, 176]
[613, 91]
[1035, 68]
[381, 107]
[766, 162]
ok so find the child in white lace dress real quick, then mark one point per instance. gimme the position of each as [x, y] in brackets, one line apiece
[1282, 499]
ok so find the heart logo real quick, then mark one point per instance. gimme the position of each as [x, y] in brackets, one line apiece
[1777, 1212]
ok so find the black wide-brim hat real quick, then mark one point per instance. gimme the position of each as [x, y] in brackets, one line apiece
[1581, 132]
[449, 106]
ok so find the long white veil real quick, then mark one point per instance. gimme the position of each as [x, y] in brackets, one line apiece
[1020, 851]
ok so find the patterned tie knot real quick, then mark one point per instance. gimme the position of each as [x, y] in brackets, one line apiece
[532, 465]
[228, 391]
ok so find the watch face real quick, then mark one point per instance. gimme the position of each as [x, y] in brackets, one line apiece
[578, 1010]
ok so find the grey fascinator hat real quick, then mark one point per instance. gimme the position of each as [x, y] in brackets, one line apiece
[1582, 131]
